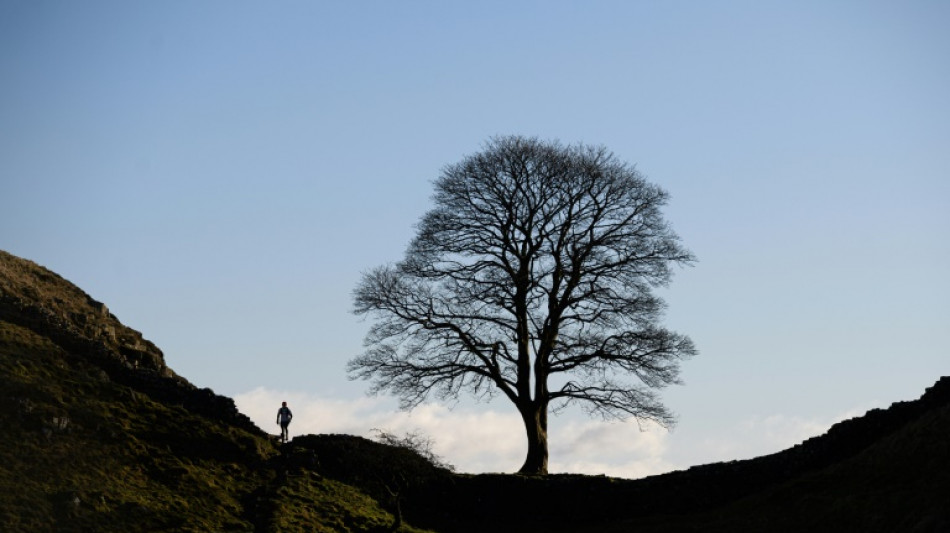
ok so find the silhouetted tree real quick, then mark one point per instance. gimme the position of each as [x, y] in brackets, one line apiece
[532, 276]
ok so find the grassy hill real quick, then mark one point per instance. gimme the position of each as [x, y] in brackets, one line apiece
[100, 435]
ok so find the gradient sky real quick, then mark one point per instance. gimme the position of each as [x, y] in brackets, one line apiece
[220, 173]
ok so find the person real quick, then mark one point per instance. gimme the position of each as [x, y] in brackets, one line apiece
[283, 418]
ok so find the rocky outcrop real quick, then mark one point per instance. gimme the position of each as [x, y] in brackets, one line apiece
[43, 302]
[40, 300]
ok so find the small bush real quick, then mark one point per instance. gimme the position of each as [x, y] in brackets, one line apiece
[415, 441]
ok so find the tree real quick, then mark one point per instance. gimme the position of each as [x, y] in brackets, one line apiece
[532, 277]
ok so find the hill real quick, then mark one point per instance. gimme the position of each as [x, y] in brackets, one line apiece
[886, 471]
[100, 435]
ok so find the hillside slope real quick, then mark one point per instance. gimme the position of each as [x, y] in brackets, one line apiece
[100, 435]
[896, 478]
[888, 470]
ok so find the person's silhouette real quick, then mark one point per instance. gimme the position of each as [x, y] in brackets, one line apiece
[283, 418]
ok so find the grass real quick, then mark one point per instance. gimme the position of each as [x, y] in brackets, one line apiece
[82, 453]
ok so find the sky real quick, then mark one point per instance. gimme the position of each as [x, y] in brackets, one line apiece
[220, 173]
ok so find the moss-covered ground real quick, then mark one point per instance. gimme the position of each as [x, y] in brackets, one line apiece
[79, 452]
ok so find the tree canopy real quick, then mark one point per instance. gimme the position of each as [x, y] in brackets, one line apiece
[532, 276]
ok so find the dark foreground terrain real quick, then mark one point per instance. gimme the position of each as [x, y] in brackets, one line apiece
[99, 435]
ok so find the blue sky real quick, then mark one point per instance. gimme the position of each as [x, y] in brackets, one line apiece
[220, 173]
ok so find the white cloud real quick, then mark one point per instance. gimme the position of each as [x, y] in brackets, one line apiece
[779, 431]
[483, 439]
[620, 449]
[759, 435]
[475, 441]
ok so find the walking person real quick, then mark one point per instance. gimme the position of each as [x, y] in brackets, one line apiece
[283, 418]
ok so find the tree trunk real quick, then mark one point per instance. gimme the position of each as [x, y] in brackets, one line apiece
[535, 419]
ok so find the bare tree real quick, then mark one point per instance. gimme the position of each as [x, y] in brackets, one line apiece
[532, 276]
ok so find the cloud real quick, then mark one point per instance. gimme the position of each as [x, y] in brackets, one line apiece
[484, 439]
[619, 449]
[473, 440]
[779, 431]
[759, 435]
